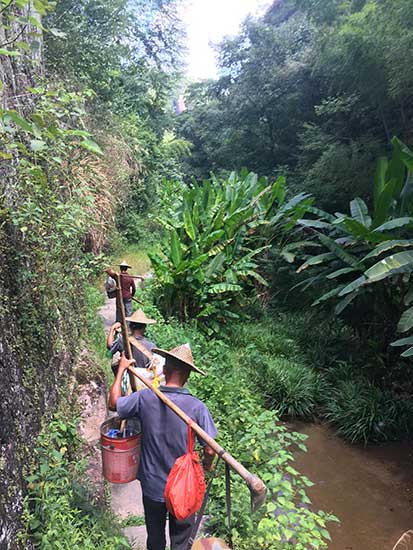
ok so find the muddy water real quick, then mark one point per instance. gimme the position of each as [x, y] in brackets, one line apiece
[369, 489]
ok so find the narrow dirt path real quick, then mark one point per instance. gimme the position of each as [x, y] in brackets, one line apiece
[126, 498]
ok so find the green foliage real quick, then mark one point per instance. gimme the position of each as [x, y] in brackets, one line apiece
[214, 235]
[293, 388]
[362, 412]
[129, 53]
[359, 267]
[58, 509]
[18, 17]
[133, 521]
[312, 89]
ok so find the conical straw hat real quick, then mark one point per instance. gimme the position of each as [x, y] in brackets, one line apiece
[182, 353]
[124, 264]
[139, 317]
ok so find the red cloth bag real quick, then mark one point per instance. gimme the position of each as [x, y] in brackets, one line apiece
[185, 486]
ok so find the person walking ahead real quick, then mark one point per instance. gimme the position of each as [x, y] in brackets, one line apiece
[140, 345]
[128, 287]
[164, 439]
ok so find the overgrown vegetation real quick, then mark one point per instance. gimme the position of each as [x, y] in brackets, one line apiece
[62, 189]
[59, 510]
[364, 248]
[334, 248]
[312, 90]
[215, 232]
[93, 158]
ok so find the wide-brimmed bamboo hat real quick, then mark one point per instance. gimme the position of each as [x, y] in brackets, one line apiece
[139, 316]
[125, 264]
[183, 354]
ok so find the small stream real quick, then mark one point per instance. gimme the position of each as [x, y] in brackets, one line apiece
[370, 489]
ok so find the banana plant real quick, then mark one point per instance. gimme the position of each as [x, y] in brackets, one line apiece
[361, 248]
[214, 236]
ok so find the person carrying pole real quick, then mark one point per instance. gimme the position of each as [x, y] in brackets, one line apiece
[141, 346]
[128, 286]
[164, 439]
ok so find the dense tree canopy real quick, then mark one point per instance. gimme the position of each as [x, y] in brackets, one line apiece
[316, 87]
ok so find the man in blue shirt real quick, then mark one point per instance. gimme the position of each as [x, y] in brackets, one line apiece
[164, 439]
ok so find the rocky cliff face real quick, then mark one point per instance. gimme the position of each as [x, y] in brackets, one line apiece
[37, 331]
[35, 357]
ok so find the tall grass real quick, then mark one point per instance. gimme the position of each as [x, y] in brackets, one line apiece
[136, 256]
[284, 359]
[362, 412]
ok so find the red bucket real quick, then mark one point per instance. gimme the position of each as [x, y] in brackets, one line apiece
[120, 455]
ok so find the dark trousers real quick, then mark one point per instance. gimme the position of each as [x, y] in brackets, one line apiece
[128, 310]
[155, 520]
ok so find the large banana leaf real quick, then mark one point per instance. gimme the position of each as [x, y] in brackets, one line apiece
[338, 251]
[402, 262]
[355, 228]
[220, 288]
[238, 218]
[394, 224]
[176, 248]
[359, 212]
[397, 165]
[321, 214]
[388, 245]
[405, 153]
[316, 224]
[255, 275]
[215, 266]
[360, 281]
[315, 260]
[387, 200]
[210, 238]
[342, 271]
[403, 342]
[406, 320]
[291, 205]
[330, 294]
[188, 223]
[219, 247]
[341, 306]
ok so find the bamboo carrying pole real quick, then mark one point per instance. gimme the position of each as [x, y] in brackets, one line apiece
[256, 486]
[125, 333]
[137, 301]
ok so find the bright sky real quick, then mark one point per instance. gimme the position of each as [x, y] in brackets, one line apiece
[208, 21]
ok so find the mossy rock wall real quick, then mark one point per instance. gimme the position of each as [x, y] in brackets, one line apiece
[37, 343]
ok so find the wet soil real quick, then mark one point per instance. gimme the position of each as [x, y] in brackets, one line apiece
[370, 489]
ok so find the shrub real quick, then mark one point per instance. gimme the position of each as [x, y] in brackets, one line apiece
[293, 388]
[58, 509]
[362, 412]
[359, 256]
[271, 337]
[214, 235]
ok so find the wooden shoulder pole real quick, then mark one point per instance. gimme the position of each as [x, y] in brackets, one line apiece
[256, 486]
[125, 333]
